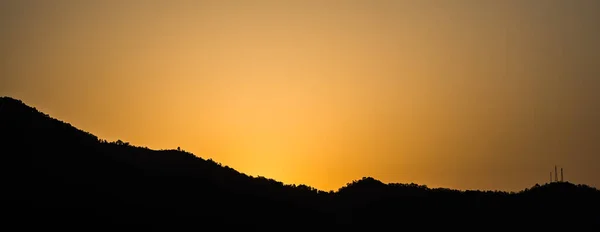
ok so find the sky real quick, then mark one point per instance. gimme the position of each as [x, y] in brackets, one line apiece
[458, 94]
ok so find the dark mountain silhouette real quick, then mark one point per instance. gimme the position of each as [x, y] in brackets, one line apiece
[56, 174]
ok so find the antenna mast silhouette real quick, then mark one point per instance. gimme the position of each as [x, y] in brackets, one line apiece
[561, 175]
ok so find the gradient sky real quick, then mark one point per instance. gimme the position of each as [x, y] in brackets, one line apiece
[459, 94]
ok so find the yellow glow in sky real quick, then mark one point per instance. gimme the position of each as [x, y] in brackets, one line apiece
[458, 94]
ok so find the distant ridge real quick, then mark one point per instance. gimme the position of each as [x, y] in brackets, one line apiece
[57, 173]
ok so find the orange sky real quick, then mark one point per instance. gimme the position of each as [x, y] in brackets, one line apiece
[458, 94]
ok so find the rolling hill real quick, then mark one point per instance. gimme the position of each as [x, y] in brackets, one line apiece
[55, 173]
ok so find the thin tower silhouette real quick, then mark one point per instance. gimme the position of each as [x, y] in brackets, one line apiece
[555, 174]
[561, 175]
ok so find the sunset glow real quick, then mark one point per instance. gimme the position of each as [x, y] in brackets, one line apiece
[458, 94]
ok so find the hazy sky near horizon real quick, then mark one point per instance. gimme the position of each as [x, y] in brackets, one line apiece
[460, 94]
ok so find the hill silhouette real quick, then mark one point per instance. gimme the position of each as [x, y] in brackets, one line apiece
[57, 174]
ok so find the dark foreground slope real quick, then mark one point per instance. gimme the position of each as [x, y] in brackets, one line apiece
[55, 173]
